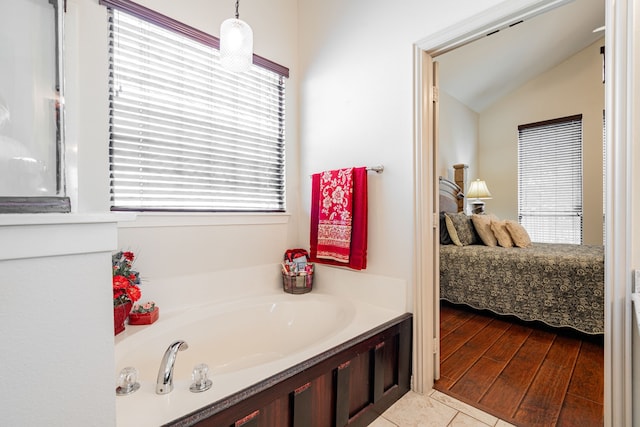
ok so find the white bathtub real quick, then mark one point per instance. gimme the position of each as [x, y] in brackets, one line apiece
[244, 341]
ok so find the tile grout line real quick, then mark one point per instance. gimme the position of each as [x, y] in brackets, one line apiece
[458, 411]
[454, 417]
[388, 420]
[487, 411]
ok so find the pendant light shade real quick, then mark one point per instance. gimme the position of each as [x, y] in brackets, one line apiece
[236, 44]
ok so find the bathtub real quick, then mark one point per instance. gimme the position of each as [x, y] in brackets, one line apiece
[243, 341]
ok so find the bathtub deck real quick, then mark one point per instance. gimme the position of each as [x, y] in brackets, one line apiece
[350, 384]
[244, 355]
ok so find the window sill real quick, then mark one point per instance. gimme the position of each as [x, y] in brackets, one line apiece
[55, 234]
[10, 220]
[162, 219]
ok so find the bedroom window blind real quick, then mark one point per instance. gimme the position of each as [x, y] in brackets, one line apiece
[550, 180]
[186, 134]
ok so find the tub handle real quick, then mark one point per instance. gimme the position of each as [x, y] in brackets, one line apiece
[201, 382]
[128, 381]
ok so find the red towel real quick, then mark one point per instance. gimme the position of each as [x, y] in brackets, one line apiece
[357, 254]
[334, 217]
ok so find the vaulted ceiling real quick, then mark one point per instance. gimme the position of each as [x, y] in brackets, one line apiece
[482, 72]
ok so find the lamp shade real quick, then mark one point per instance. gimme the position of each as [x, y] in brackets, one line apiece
[478, 190]
[236, 45]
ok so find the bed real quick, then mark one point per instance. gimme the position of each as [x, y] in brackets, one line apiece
[561, 285]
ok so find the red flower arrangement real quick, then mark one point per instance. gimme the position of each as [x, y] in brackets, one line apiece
[125, 280]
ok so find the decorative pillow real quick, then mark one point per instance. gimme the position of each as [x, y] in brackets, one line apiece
[445, 239]
[499, 229]
[518, 234]
[482, 224]
[460, 229]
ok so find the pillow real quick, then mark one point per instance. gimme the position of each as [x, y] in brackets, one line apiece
[518, 234]
[460, 229]
[482, 224]
[499, 229]
[445, 239]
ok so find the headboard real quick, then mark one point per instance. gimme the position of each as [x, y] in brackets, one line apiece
[450, 193]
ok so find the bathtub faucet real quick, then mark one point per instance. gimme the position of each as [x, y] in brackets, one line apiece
[164, 384]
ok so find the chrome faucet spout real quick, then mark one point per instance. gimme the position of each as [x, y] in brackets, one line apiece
[164, 383]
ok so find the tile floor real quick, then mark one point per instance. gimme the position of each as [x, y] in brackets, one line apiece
[434, 409]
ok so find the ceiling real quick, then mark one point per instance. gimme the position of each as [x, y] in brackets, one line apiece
[482, 72]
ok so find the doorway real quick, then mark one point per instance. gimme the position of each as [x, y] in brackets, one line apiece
[617, 244]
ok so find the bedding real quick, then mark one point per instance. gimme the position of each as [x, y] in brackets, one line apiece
[482, 224]
[460, 229]
[499, 229]
[561, 285]
[518, 234]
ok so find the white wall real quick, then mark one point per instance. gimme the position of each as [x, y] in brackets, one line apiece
[56, 321]
[458, 139]
[356, 104]
[573, 87]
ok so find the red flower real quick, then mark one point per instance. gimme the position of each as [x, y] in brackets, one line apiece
[125, 280]
[134, 293]
[120, 282]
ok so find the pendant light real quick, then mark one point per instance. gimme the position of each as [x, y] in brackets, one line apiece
[236, 44]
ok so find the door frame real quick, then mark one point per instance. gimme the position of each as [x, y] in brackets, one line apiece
[619, 70]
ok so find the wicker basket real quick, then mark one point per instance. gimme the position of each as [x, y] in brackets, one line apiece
[297, 283]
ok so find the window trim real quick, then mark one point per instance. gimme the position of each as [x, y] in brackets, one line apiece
[550, 122]
[186, 30]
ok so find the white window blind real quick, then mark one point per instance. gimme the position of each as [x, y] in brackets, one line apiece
[550, 180]
[185, 134]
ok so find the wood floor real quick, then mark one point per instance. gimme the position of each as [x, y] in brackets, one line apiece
[525, 375]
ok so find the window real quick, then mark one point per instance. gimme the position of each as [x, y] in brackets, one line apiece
[550, 180]
[31, 114]
[185, 134]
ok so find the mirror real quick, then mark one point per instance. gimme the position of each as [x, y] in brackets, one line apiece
[31, 107]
